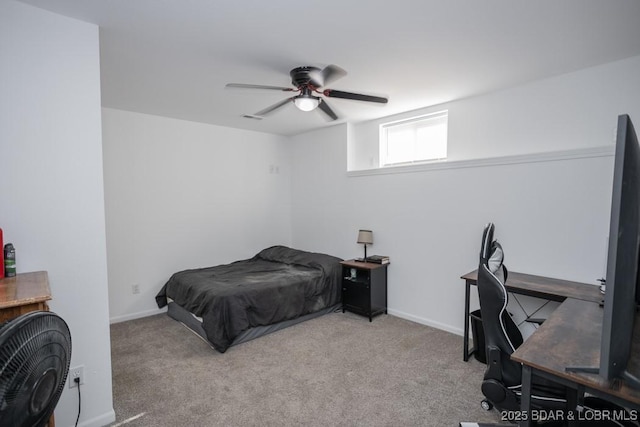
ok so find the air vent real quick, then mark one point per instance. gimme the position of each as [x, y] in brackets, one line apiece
[251, 116]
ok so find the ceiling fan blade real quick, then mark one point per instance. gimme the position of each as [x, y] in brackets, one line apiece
[273, 107]
[327, 110]
[250, 86]
[331, 73]
[356, 96]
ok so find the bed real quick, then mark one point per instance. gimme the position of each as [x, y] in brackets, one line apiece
[236, 302]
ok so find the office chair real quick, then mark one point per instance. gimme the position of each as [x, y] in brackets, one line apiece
[503, 376]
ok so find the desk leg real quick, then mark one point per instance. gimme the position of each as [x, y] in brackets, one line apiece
[525, 399]
[572, 406]
[465, 347]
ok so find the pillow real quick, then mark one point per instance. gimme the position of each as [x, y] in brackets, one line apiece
[292, 256]
[496, 258]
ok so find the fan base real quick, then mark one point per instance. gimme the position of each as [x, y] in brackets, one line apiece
[302, 76]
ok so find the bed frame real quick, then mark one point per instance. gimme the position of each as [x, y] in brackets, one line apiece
[195, 325]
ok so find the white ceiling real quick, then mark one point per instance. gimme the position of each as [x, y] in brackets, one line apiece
[173, 57]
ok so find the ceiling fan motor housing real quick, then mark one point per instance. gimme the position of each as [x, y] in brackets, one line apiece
[302, 76]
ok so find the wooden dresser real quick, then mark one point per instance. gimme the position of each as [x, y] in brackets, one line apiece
[24, 293]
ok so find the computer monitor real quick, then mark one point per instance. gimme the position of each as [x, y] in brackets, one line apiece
[622, 293]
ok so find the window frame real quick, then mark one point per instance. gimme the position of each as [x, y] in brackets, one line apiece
[383, 138]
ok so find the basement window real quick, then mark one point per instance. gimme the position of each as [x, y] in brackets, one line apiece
[415, 140]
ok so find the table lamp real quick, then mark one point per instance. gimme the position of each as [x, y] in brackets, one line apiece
[366, 238]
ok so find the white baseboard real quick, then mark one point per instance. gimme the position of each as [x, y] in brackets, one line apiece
[138, 315]
[427, 322]
[99, 421]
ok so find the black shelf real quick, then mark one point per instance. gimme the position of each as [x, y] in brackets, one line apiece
[364, 288]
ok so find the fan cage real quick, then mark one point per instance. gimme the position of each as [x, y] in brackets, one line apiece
[31, 347]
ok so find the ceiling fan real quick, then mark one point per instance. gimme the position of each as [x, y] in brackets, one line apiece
[308, 82]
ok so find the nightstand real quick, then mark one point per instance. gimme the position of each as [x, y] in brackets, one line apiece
[364, 288]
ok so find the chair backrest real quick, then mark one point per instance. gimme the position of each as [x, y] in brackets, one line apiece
[499, 329]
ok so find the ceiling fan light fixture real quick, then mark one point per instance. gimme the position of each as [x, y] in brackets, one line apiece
[306, 103]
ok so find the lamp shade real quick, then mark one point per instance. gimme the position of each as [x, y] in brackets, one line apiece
[365, 236]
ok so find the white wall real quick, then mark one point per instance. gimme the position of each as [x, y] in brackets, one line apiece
[575, 110]
[184, 195]
[51, 197]
[551, 214]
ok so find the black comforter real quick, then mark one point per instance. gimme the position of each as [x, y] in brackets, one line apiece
[277, 284]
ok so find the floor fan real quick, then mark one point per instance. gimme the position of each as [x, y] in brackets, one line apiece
[35, 352]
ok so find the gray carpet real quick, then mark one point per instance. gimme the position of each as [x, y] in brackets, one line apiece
[338, 369]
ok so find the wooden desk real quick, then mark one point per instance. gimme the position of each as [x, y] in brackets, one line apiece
[571, 337]
[530, 285]
[24, 293]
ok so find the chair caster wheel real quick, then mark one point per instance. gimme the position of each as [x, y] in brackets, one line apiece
[486, 405]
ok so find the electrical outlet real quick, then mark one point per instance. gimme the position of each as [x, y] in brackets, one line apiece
[135, 288]
[77, 372]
